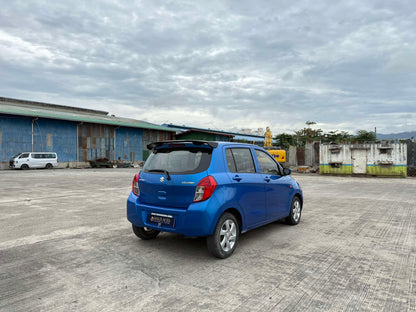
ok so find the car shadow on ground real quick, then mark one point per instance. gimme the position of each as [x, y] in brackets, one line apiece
[195, 247]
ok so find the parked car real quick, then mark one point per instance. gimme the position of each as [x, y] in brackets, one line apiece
[28, 160]
[11, 160]
[214, 189]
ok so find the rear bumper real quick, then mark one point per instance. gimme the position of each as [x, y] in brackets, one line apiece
[196, 220]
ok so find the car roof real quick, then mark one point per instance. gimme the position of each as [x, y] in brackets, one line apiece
[237, 143]
[36, 153]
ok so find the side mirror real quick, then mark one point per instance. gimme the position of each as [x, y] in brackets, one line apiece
[286, 171]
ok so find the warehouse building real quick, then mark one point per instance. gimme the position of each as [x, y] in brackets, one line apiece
[193, 133]
[77, 135]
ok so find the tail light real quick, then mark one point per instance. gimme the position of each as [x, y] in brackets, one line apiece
[205, 188]
[135, 186]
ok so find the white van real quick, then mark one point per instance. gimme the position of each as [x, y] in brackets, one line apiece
[28, 160]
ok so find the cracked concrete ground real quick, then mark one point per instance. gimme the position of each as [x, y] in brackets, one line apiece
[65, 245]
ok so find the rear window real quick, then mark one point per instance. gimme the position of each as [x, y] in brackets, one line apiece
[240, 160]
[179, 161]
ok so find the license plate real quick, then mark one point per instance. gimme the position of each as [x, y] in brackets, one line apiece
[161, 219]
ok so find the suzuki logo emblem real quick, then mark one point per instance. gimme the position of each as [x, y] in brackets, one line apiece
[162, 179]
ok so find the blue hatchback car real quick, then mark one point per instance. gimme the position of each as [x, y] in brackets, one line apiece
[213, 189]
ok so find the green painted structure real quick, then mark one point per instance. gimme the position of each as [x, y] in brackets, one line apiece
[335, 169]
[376, 170]
[387, 170]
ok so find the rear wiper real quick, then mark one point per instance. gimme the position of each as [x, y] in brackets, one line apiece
[162, 171]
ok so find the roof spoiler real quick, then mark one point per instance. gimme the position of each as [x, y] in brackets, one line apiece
[195, 142]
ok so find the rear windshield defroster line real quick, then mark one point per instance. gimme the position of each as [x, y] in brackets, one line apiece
[186, 160]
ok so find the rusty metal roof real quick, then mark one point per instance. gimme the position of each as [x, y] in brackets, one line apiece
[206, 131]
[45, 110]
[236, 135]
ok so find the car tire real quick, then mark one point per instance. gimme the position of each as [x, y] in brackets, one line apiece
[295, 211]
[24, 167]
[145, 233]
[48, 166]
[223, 241]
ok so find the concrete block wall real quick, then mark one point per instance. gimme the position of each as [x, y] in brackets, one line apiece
[370, 159]
[335, 159]
[388, 160]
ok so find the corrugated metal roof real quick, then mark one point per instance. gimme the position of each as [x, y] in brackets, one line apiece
[205, 131]
[53, 111]
[250, 137]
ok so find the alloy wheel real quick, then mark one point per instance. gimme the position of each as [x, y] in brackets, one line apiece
[228, 235]
[296, 211]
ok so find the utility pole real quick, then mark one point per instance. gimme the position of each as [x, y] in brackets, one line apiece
[33, 121]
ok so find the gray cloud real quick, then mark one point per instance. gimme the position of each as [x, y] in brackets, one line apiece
[217, 64]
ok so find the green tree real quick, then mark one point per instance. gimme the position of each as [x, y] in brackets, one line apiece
[300, 137]
[308, 134]
[365, 136]
[337, 137]
[284, 140]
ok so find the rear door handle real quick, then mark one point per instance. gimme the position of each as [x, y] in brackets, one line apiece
[237, 178]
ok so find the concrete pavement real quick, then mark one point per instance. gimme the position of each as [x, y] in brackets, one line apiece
[65, 245]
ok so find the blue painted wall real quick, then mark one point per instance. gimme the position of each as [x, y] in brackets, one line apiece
[62, 138]
[129, 144]
[16, 136]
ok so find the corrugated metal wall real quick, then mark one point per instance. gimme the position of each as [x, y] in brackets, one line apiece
[95, 141]
[411, 158]
[411, 153]
[60, 136]
[312, 153]
[49, 135]
[129, 144]
[300, 156]
[15, 136]
[57, 136]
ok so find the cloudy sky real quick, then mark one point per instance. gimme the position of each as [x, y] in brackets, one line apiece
[346, 65]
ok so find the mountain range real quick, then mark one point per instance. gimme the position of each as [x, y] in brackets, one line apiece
[401, 135]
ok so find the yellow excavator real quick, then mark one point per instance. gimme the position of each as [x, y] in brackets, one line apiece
[278, 154]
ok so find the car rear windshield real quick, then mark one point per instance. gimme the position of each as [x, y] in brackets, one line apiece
[179, 161]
